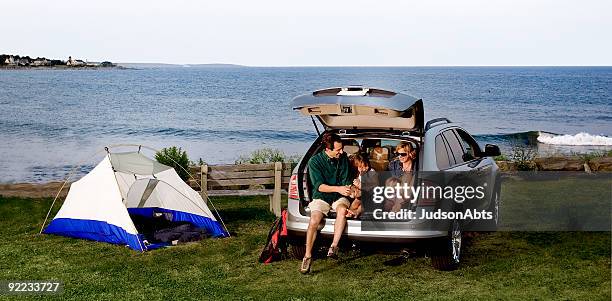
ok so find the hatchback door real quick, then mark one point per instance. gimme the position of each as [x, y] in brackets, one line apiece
[356, 108]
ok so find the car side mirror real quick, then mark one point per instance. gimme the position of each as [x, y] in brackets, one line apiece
[491, 150]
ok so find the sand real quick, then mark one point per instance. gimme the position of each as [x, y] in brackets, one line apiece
[29, 190]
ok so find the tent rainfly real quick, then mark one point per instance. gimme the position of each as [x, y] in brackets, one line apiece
[99, 205]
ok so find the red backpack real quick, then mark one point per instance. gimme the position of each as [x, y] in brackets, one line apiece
[276, 246]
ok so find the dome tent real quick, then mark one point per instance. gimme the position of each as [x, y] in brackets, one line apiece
[99, 205]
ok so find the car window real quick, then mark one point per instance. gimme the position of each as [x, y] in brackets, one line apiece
[470, 147]
[442, 157]
[391, 143]
[367, 144]
[455, 146]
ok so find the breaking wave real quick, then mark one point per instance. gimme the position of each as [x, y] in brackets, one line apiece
[578, 139]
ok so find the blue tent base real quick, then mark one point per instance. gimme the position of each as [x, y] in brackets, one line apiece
[94, 230]
[105, 232]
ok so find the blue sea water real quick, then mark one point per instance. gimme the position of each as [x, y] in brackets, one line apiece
[52, 120]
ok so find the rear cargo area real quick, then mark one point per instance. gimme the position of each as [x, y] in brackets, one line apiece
[380, 153]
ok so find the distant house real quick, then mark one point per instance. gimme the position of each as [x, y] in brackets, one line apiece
[10, 61]
[38, 62]
[75, 63]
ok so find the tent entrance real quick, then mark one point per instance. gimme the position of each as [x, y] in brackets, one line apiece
[158, 226]
[153, 221]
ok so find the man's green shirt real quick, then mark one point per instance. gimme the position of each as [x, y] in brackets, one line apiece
[324, 170]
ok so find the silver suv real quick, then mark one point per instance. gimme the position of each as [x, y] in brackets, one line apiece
[367, 118]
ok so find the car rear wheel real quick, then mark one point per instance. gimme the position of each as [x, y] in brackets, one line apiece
[493, 223]
[297, 248]
[446, 253]
[495, 209]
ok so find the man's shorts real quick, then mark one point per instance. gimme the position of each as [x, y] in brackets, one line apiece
[323, 207]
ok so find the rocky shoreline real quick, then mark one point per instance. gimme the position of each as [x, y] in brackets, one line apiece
[33, 190]
[563, 164]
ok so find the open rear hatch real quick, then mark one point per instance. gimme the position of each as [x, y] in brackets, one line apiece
[361, 108]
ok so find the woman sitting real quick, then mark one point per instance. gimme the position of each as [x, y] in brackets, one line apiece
[400, 171]
[402, 166]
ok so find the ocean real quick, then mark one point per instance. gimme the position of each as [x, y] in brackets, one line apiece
[54, 120]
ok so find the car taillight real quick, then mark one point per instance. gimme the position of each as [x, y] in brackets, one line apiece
[293, 188]
[424, 198]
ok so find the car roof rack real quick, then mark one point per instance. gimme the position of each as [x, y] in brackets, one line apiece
[430, 123]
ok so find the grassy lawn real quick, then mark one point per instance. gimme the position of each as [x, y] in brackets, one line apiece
[553, 201]
[503, 265]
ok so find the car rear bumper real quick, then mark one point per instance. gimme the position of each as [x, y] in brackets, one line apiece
[297, 224]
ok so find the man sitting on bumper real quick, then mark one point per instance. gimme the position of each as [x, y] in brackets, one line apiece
[331, 184]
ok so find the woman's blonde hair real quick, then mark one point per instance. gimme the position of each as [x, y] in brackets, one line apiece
[404, 145]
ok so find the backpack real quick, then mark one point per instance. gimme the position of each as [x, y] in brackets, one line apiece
[276, 245]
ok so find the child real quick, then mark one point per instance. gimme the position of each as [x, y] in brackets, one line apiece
[393, 204]
[360, 166]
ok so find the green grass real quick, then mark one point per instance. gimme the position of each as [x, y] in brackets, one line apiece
[555, 201]
[503, 265]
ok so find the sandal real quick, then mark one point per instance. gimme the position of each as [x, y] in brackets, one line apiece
[306, 263]
[333, 252]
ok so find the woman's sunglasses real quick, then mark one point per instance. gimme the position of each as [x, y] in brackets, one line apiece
[402, 154]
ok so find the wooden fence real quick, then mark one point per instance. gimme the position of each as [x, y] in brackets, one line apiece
[270, 179]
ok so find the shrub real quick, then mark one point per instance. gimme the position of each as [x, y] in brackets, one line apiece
[523, 156]
[588, 157]
[267, 155]
[501, 157]
[176, 158]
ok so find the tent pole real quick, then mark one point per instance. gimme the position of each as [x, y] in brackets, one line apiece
[51, 208]
[224, 226]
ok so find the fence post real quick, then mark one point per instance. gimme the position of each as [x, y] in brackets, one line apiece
[276, 197]
[204, 182]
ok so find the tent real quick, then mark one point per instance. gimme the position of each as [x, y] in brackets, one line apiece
[99, 205]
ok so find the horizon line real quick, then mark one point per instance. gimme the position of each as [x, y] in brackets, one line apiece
[349, 66]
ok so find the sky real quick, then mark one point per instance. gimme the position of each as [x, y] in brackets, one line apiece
[314, 32]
